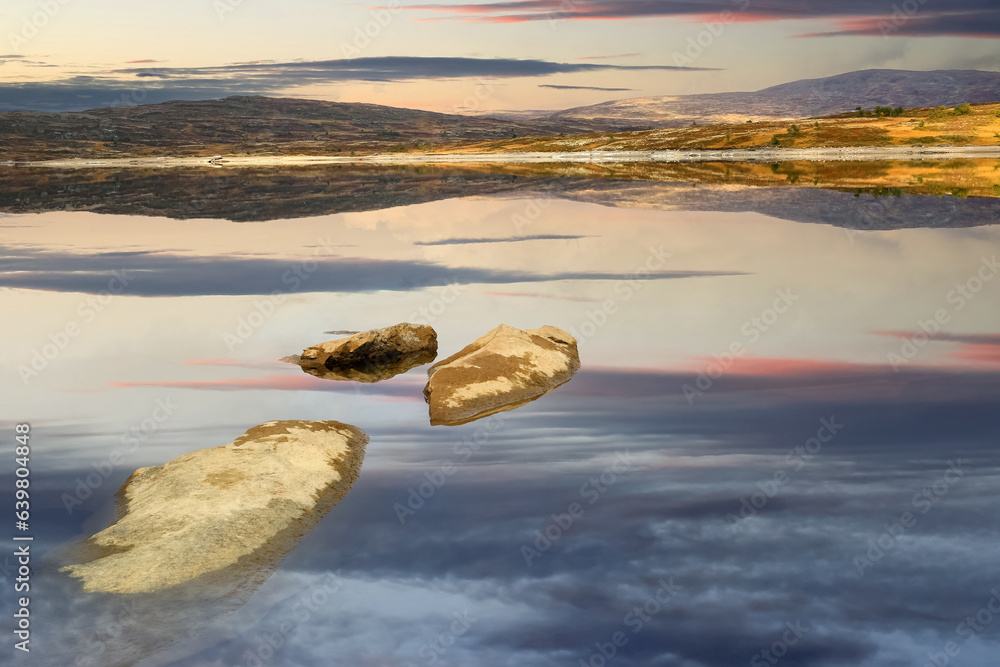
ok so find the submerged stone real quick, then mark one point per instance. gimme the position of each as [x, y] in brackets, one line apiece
[221, 519]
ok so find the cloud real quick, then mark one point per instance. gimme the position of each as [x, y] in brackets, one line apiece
[802, 380]
[297, 382]
[540, 295]
[552, 85]
[618, 55]
[509, 239]
[981, 24]
[22, 60]
[394, 68]
[970, 18]
[164, 274]
[980, 348]
[266, 77]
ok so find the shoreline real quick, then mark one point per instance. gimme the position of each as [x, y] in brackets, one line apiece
[860, 153]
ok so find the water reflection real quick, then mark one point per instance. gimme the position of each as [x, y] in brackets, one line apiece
[436, 524]
[861, 195]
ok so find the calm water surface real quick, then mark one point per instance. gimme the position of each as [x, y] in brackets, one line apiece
[782, 444]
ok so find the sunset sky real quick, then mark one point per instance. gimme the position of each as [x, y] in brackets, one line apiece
[533, 54]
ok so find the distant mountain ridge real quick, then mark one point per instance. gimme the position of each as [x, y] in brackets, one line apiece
[290, 126]
[800, 99]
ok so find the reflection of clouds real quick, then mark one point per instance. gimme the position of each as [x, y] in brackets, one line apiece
[164, 274]
[800, 204]
[982, 348]
[508, 239]
[694, 464]
[791, 562]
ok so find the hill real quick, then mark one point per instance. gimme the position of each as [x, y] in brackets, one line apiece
[258, 125]
[966, 125]
[799, 99]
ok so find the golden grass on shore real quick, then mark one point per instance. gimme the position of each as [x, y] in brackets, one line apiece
[915, 127]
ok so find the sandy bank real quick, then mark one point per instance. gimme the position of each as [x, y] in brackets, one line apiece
[741, 155]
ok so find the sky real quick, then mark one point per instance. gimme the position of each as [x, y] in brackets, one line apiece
[466, 57]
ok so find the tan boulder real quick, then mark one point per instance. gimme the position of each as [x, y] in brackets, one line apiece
[502, 370]
[221, 519]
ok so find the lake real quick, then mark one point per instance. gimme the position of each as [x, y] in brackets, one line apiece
[781, 447]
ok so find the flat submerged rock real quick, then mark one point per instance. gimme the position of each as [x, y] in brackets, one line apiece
[223, 517]
[501, 370]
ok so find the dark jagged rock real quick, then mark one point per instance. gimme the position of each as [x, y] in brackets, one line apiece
[371, 356]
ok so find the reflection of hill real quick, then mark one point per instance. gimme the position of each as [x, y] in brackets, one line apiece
[840, 209]
[240, 195]
[878, 195]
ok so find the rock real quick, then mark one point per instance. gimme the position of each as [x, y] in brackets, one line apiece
[221, 517]
[371, 356]
[501, 370]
